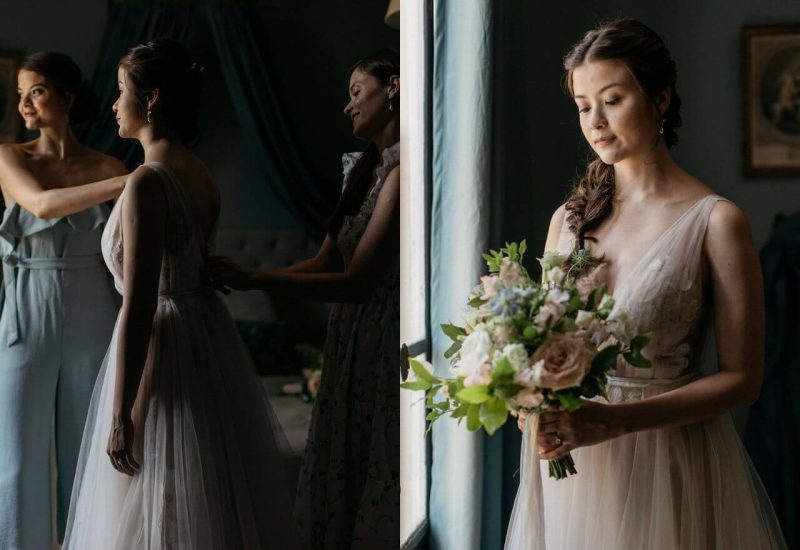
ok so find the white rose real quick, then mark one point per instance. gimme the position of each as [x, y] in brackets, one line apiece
[474, 352]
[622, 326]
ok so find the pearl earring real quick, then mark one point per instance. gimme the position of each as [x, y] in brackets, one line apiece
[150, 119]
[661, 129]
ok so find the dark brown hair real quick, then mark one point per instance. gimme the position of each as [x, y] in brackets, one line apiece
[382, 65]
[67, 81]
[652, 66]
[168, 66]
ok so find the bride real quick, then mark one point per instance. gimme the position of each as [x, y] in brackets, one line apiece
[179, 449]
[660, 466]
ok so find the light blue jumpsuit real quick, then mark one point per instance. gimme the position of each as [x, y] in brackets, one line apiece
[58, 313]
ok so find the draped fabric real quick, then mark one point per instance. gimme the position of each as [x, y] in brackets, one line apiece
[252, 91]
[130, 22]
[459, 234]
[265, 130]
[772, 436]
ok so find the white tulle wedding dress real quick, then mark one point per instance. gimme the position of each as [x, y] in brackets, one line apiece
[211, 472]
[686, 488]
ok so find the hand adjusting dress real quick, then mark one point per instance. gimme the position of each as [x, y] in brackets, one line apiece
[211, 470]
[687, 488]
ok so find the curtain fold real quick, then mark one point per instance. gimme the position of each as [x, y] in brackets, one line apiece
[260, 115]
[129, 22]
[461, 491]
[234, 26]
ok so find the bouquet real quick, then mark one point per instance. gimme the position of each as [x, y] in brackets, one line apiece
[529, 347]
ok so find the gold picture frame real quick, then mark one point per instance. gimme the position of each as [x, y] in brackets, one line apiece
[771, 99]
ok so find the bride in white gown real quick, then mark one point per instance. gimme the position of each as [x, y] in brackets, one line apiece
[660, 467]
[179, 449]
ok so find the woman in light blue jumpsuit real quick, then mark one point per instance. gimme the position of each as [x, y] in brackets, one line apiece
[58, 309]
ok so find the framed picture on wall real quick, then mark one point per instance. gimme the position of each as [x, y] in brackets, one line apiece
[771, 100]
[10, 122]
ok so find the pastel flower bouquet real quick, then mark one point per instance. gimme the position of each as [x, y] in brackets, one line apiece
[529, 347]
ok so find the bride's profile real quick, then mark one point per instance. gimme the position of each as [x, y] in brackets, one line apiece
[660, 465]
[179, 449]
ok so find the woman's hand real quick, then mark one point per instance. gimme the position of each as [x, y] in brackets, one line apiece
[120, 445]
[224, 274]
[561, 431]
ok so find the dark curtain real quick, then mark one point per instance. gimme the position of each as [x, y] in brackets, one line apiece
[234, 27]
[129, 22]
[260, 115]
[772, 436]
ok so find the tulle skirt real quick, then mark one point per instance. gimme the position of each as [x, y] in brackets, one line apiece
[686, 488]
[211, 472]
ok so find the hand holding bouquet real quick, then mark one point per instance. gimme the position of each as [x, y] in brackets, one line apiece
[529, 347]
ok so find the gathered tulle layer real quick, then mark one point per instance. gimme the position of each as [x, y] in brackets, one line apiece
[686, 488]
[212, 474]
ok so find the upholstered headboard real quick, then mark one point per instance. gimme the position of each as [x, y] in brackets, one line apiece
[269, 248]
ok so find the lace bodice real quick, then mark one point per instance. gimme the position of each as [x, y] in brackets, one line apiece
[183, 243]
[353, 227]
[664, 294]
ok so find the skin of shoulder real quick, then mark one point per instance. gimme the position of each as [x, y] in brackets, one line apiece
[554, 231]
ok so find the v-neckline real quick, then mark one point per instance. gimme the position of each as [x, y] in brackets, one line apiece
[622, 280]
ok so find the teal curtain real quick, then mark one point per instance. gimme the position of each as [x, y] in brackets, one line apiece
[266, 133]
[234, 26]
[129, 22]
[466, 468]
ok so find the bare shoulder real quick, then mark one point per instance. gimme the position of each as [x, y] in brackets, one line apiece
[144, 184]
[554, 231]
[727, 220]
[558, 217]
[728, 235]
[12, 151]
[391, 189]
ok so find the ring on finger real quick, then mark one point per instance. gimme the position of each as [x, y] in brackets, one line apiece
[559, 441]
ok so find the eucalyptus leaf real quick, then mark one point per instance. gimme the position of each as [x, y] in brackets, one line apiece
[421, 372]
[453, 331]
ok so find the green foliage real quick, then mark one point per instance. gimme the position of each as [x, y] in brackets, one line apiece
[474, 395]
[569, 400]
[493, 414]
[454, 332]
[513, 251]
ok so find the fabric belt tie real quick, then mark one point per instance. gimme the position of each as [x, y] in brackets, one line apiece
[11, 263]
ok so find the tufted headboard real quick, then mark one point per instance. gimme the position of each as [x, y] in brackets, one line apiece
[271, 248]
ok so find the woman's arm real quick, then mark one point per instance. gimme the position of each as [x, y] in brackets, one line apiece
[142, 217]
[327, 260]
[376, 253]
[738, 314]
[25, 189]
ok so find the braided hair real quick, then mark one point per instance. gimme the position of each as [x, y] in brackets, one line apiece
[651, 64]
